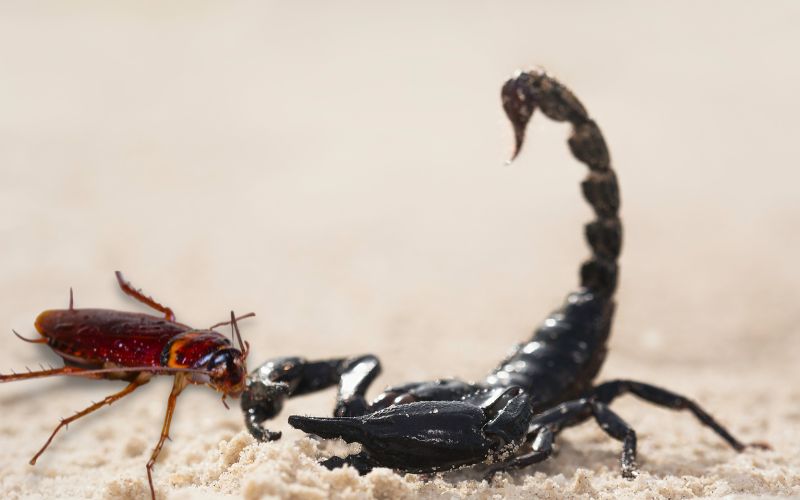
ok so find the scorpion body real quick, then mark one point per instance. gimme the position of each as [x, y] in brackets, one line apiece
[509, 419]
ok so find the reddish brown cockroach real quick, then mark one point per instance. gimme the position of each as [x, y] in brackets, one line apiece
[116, 345]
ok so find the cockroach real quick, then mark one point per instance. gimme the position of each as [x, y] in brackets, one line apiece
[129, 346]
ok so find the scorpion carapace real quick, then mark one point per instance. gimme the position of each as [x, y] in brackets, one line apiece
[509, 419]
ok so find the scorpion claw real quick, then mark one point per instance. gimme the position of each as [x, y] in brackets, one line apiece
[265, 435]
[347, 428]
[261, 402]
[430, 435]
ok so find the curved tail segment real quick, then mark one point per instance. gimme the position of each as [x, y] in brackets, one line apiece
[525, 92]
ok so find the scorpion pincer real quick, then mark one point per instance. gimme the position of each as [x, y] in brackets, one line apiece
[511, 418]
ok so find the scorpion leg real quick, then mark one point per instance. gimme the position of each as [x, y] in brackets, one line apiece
[617, 428]
[573, 413]
[541, 449]
[361, 462]
[271, 383]
[436, 390]
[609, 391]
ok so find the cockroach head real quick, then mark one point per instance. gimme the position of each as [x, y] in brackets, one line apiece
[227, 370]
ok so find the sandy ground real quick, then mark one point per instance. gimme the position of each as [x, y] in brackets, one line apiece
[338, 170]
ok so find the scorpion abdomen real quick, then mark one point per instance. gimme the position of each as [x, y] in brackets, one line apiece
[564, 354]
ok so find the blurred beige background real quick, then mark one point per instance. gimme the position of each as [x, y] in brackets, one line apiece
[338, 169]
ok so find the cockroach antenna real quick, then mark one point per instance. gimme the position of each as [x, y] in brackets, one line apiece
[238, 336]
[71, 300]
[223, 323]
[32, 341]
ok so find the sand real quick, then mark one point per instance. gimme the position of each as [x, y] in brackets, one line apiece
[339, 170]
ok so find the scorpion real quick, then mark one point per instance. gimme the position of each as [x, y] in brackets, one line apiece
[511, 418]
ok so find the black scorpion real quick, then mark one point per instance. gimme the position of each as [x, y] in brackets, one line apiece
[509, 419]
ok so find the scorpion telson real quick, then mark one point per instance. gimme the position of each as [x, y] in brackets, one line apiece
[511, 418]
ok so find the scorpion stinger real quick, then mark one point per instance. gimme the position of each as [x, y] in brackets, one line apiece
[512, 417]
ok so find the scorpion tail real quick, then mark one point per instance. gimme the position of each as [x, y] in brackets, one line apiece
[521, 95]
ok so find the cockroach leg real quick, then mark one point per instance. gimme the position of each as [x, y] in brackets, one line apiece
[178, 385]
[144, 299]
[96, 406]
[65, 370]
[99, 373]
